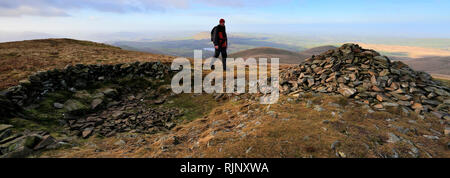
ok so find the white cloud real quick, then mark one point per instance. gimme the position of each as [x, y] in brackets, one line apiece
[63, 7]
[29, 10]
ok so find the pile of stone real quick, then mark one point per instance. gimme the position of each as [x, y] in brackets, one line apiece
[367, 76]
[19, 145]
[128, 117]
[78, 77]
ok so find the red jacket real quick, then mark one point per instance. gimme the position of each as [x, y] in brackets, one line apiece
[222, 39]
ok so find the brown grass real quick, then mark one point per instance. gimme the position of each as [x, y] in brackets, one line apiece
[296, 131]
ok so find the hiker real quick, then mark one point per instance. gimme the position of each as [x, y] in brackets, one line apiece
[219, 38]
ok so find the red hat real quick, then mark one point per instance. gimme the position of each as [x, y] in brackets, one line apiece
[221, 21]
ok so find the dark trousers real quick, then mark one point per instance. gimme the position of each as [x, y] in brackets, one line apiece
[222, 51]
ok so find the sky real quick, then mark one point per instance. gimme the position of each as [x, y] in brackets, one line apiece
[82, 18]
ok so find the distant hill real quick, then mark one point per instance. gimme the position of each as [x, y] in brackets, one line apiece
[432, 65]
[286, 57]
[317, 50]
[22, 58]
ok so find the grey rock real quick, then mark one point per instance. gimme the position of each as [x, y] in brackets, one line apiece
[308, 103]
[87, 132]
[412, 121]
[393, 138]
[437, 114]
[432, 137]
[72, 105]
[273, 114]
[83, 95]
[117, 114]
[241, 125]
[120, 143]
[96, 103]
[5, 134]
[248, 150]
[4, 127]
[347, 92]
[431, 102]
[10, 138]
[395, 153]
[46, 141]
[318, 108]
[388, 104]
[110, 92]
[335, 144]
[58, 105]
[334, 105]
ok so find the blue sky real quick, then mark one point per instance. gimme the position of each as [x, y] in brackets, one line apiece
[411, 18]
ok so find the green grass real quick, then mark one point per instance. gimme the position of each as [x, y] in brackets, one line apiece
[44, 116]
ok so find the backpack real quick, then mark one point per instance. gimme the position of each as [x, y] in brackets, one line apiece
[213, 34]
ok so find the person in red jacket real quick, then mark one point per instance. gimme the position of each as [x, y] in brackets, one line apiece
[220, 40]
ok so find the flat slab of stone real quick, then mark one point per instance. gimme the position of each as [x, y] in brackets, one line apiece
[3, 127]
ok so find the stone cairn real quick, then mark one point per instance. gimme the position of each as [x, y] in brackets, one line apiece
[72, 78]
[370, 78]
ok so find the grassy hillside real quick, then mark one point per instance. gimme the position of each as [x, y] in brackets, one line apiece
[20, 59]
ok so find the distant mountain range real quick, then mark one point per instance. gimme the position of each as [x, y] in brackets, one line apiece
[431, 60]
[186, 47]
[74, 51]
[240, 45]
[201, 41]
